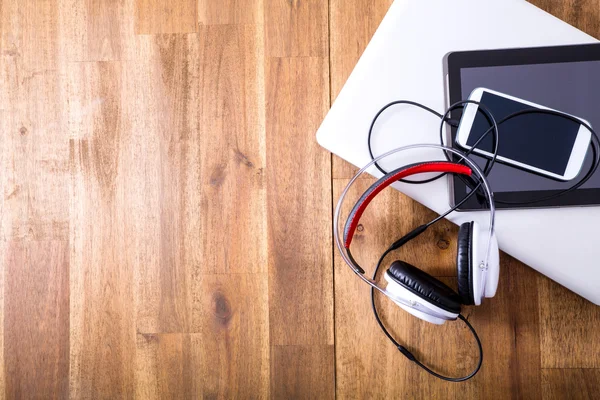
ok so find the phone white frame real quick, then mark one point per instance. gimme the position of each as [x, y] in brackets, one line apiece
[578, 152]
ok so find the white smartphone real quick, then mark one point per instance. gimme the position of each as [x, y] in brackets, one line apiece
[545, 144]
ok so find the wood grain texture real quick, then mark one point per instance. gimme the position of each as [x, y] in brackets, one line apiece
[509, 329]
[165, 16]
[34, 157]
[165, 218]
[29, 34]
[36, 321]
[35, 152]
[234, 341]
[3, 266]
[223, 12]
[34, 217]
[164, 188]
[167, 366]
[296, 28]
[298, 200]
[573, 383]
[102, 262]
[96, 30]
[233, 293]
[309, 375]
[164, 192]
[300, 277]
[232, 163]
[566, 319]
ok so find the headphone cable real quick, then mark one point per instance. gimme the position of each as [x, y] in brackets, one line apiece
[447, 118]
[406, 352]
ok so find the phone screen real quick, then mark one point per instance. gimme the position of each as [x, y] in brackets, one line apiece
[541, 140]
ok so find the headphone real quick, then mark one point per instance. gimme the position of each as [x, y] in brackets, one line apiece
[411, 288]
[475, 279]
[477, 260]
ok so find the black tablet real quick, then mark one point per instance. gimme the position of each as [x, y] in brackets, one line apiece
[565, 78]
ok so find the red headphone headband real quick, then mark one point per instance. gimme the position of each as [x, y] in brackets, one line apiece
[388, 179]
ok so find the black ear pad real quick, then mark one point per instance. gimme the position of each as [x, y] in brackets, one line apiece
[464, 263]
[425, 286]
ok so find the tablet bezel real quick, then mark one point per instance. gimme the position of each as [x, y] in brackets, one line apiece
[455, 61]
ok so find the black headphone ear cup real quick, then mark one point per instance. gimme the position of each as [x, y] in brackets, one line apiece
[425, 286]
[464, 263]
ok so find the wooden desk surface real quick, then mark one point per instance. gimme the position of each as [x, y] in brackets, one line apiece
[166, 217]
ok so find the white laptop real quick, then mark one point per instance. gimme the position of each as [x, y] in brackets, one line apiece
[404, 61]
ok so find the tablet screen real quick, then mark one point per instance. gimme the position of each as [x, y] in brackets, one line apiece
[573, 88]
[565, 78]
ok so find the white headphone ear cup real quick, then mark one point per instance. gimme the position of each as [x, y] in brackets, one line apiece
[493, 272]
[479, 243]
[488, 287]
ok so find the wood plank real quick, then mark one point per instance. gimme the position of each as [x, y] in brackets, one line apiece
[298, 204]
[97, 30]
[572, 384]
[223, 12]
[167, 368]
[150, 160]
[102, 235]
[165, 16]
[34, 154]
[34, 220]
[569, 328]
[304, 378]
[34, 157]
[28, 34]
[507, 324]
[232, 159]
[231, 303]
[298, 207]
[164, 188]
[36, 319]
[296, 28]
[510, 329]
[235, 334]
[351, 27]
[3, 267]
